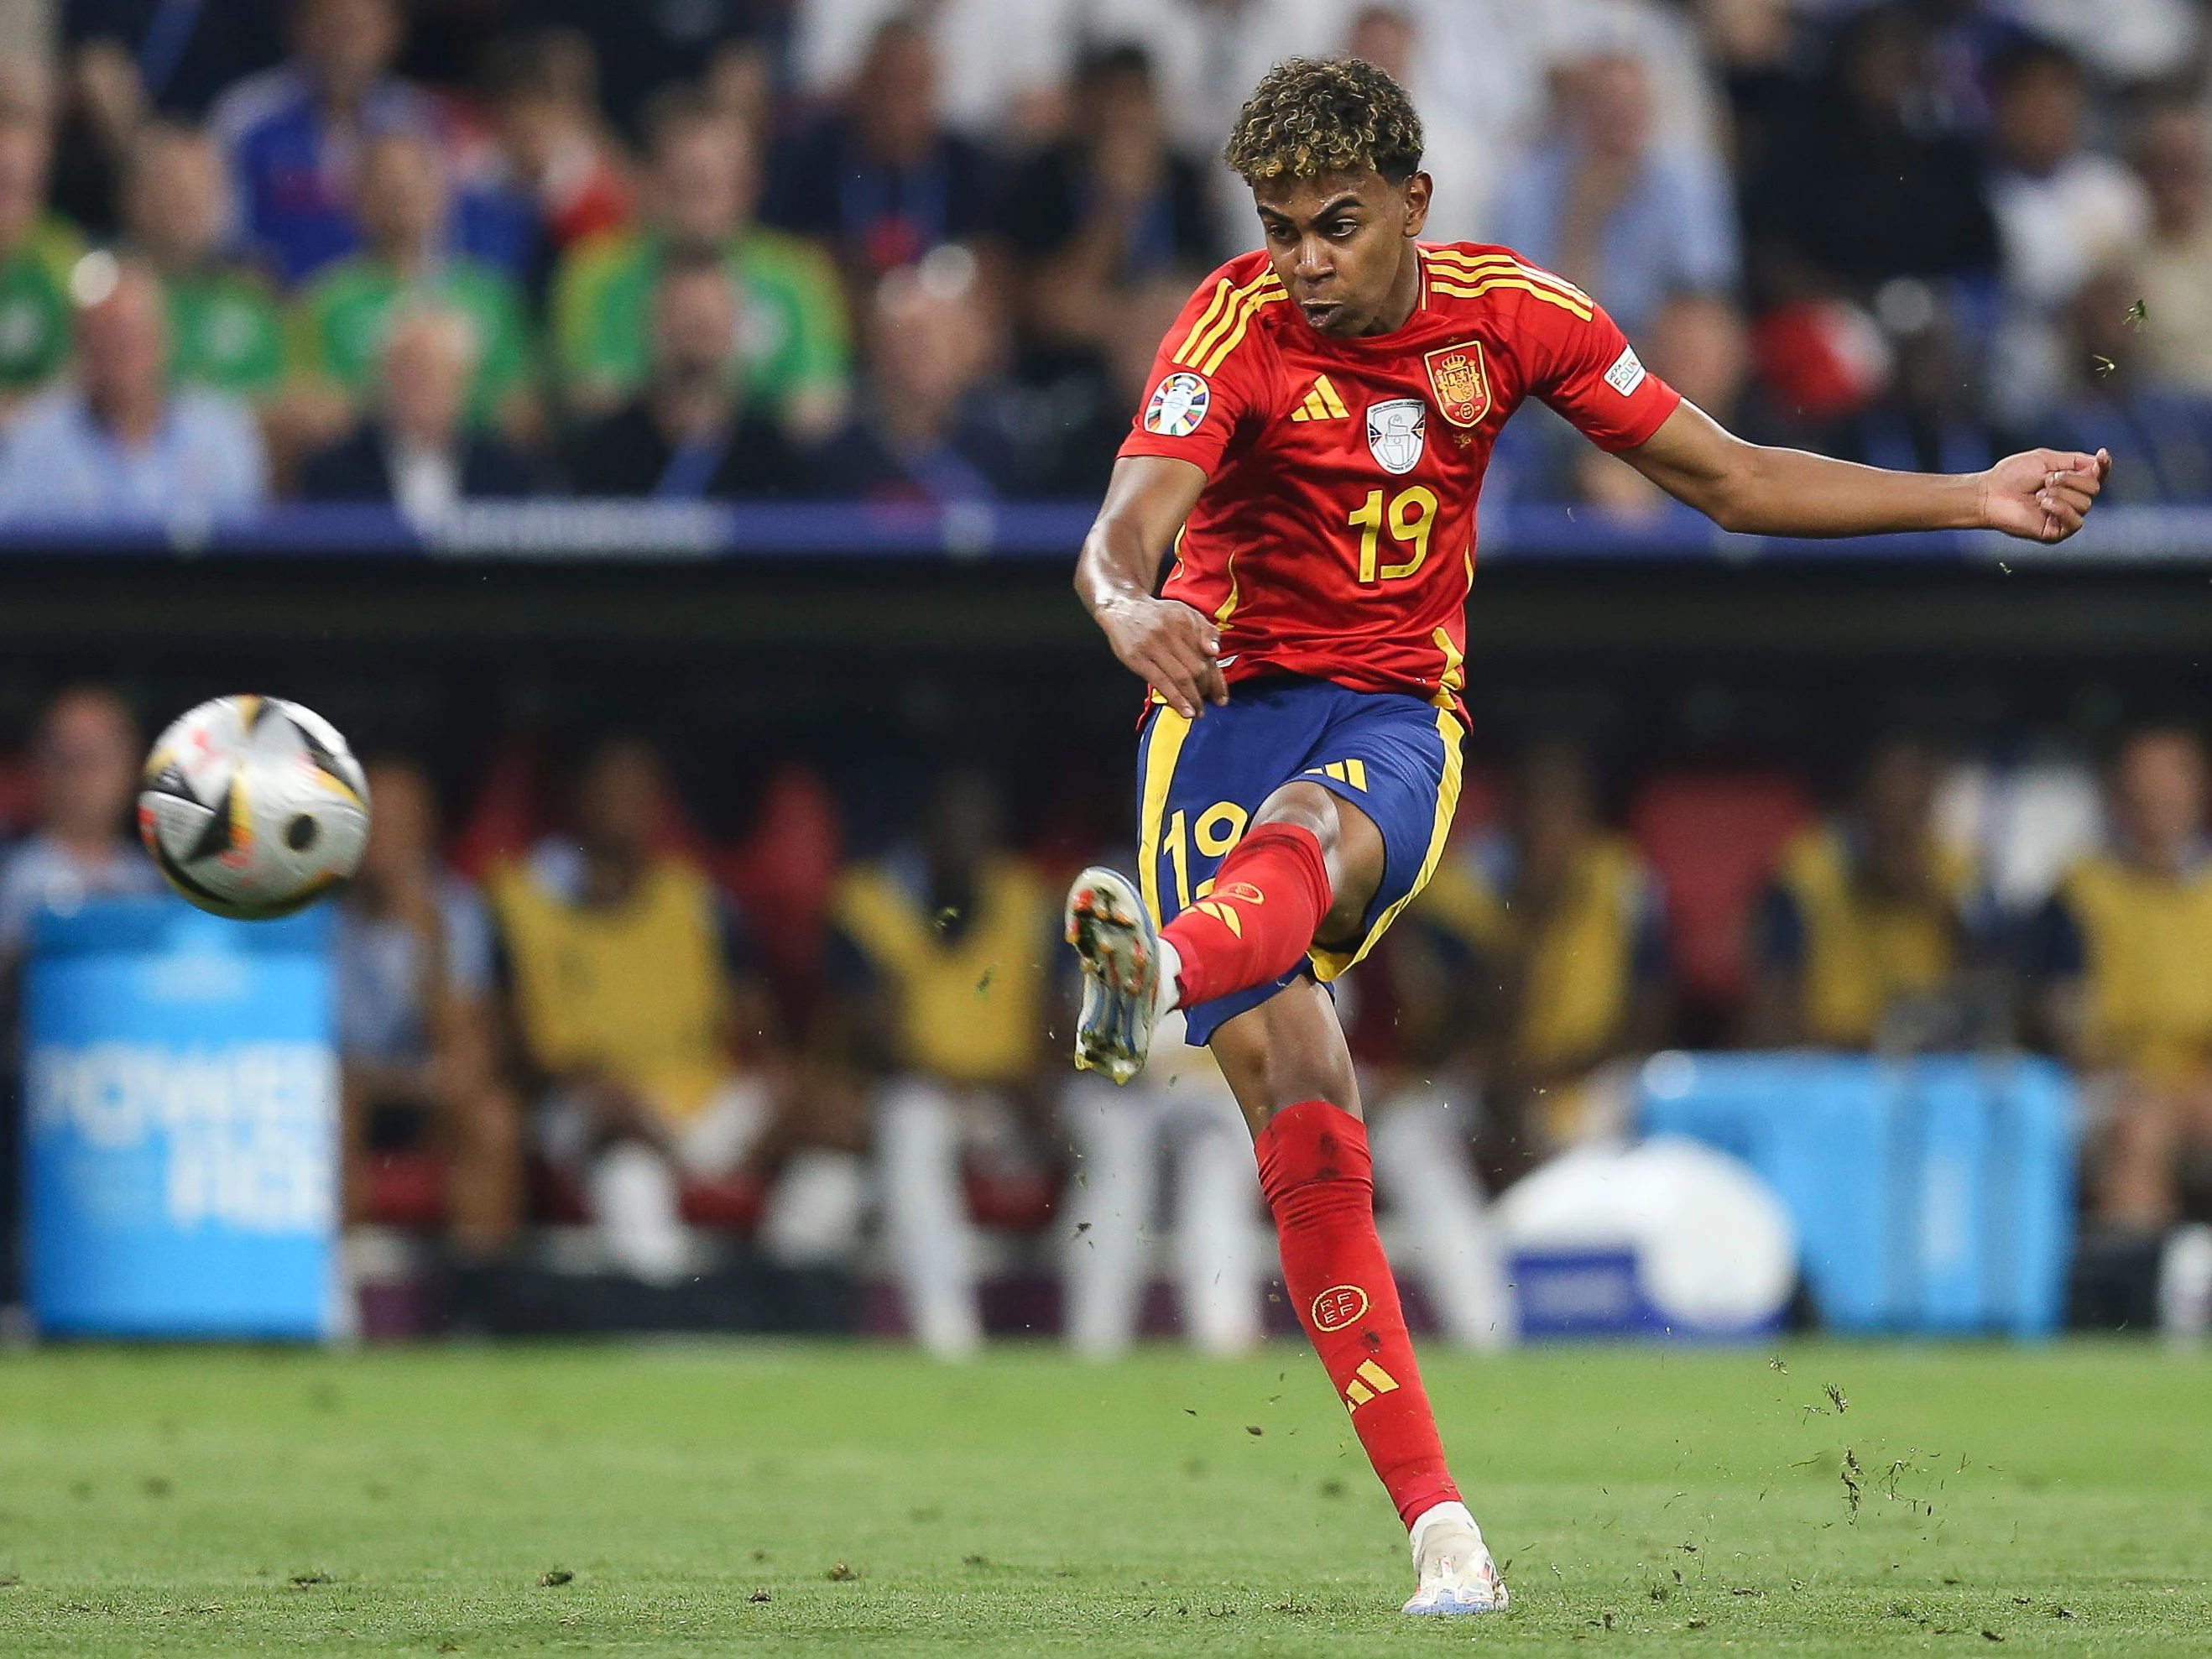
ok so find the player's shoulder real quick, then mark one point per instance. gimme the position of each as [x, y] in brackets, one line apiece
[1476, 278]
[1218, 321]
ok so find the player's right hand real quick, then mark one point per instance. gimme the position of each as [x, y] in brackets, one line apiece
[1171, 647]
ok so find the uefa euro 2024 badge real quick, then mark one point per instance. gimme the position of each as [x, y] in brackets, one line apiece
[1397, 431]
[1178, 408]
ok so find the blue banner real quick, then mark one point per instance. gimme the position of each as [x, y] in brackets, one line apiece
[181, 1124]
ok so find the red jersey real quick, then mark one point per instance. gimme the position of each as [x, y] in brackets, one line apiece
[1335, 535]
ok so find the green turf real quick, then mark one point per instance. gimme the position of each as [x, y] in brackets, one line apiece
[705, 1497]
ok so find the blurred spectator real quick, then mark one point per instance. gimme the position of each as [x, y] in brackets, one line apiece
[2137, 41]
[136, 58]
[416, 450]
[935, 425]
[700, 197]
[1466, 139]
[642, 1020]
[687, 435]
[1093, 215]
[293, 132]
[1210, 54]
[2173, 268]
[641, 50]
[1554, 931]
[2063, 214]
[294, 136]
[943, 945]
[1861, 939]
[1651, 232]
[2120, 956]
[87, 753]
[416, 1004]
[1006, 62]
[881, 182]
[1635, 224]
[37, 250]
[544, 94]
[1178, 1119]
[340, 320]
[1074, 408]
[2111, 359]
[1857, 185]
[225, 330]
[114, 443]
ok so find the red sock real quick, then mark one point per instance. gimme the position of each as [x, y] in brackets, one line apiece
[1320, 1183]
[1267, 898]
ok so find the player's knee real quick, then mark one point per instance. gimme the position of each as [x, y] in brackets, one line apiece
[1308, 806]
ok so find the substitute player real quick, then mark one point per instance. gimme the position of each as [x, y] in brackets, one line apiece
[1318, 424]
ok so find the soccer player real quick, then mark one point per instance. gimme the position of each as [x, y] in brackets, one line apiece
[1319, 421]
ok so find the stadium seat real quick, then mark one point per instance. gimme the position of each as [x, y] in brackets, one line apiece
[731, 1204]
[782, 872]
[1713, 838]
[406, 1190]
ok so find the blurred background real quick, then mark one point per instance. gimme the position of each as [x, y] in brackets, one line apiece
[658, 434]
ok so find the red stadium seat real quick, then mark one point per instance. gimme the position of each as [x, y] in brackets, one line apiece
[731, 1204]
[405, 1190]
[1010, 1201]
[1713, 838]
[783, 872]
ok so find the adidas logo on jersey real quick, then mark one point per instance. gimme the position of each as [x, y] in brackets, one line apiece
[1322, 404]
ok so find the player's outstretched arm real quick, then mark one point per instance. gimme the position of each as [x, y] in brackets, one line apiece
[2040, 495]
[1170, 645]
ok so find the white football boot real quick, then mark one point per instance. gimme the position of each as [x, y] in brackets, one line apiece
[1123, 988]
[1453, 1565]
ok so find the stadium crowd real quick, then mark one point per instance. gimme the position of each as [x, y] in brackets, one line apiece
[349, 250]
[565, 1004]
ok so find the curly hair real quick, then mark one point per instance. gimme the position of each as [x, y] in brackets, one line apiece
[1311, 116]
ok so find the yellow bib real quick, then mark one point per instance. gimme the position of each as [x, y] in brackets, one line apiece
[1861, 953]
[637, 991]
[970, 1004]
[2148, 939]
[1581, 964]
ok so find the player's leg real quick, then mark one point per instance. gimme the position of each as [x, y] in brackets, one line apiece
[1302, 871]
[1292, 1074]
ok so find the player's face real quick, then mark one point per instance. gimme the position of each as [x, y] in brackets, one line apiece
[1343, 245]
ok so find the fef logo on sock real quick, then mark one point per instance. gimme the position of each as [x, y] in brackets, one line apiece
[1337, 1306]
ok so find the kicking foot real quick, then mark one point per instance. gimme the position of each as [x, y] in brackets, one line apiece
[1108, 926]
[1453, 1565]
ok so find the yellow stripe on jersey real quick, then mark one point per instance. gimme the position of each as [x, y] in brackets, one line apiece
[1230, 310]
[1550, 296]
[1463, 266]
[1217, 355]
[1221, 293]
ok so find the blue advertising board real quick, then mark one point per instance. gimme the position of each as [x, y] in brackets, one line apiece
[1932, 1194]
[181, 1124]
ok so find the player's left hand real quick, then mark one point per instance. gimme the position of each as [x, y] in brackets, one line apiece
[2043, 494]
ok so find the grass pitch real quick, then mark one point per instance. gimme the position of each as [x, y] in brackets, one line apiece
[830, 1499]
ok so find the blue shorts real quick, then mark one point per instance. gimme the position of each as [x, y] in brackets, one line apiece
[1199, 782]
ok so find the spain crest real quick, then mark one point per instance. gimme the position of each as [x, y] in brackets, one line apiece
[1462, 383]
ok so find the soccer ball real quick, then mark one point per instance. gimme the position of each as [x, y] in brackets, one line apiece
[253, 807]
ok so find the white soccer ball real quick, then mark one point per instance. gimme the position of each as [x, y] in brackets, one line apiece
[253, 807]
